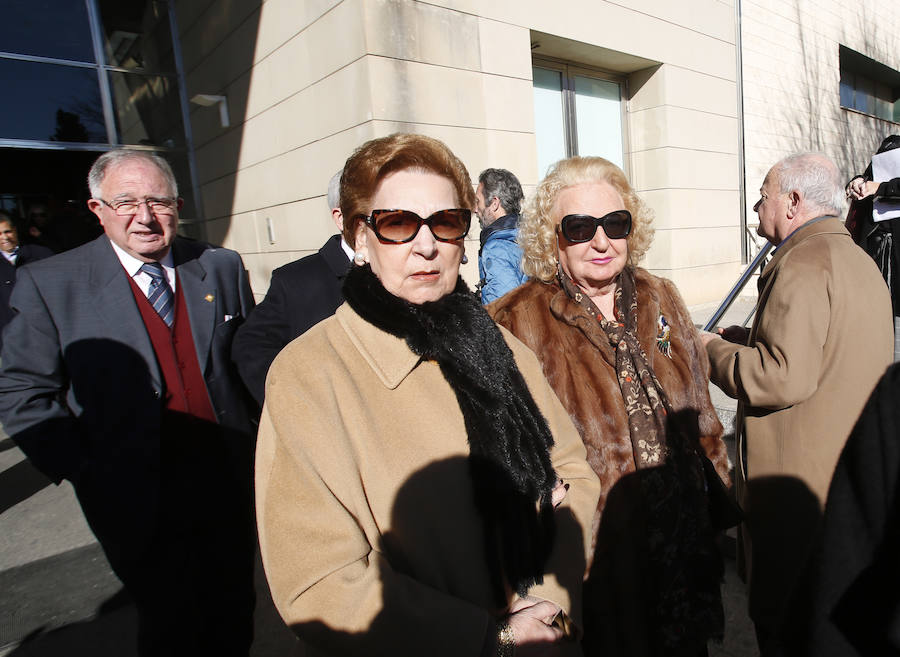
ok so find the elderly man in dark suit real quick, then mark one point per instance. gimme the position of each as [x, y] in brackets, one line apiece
[116, 376]
[14, 256]
[301, 294]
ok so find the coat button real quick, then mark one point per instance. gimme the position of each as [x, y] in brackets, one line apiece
[156, 394]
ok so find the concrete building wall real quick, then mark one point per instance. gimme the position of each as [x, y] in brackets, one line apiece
[791, 71]
[308, 82]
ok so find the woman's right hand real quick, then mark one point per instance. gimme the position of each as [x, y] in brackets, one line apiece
[533, 634]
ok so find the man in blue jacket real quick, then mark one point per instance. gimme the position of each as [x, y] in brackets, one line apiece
[498, 200]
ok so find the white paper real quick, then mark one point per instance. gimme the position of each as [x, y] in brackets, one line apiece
[885, 166]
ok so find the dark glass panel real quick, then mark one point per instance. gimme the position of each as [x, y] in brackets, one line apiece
[45, 192]
[148, 109]
[49, 28]
[137, 35]
[57, 103]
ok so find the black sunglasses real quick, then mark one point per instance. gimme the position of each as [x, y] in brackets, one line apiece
[582, 227]
[400, 226]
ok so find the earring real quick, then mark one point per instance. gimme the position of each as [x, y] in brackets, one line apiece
[465, 259]
[359, 258]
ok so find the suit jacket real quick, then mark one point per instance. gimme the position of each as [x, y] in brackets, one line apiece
[82, 394]
[27, 253]
[301, 294]
[821, 339]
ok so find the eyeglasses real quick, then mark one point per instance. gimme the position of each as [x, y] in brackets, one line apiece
[400, 226]
[582, 227]
[158, 206]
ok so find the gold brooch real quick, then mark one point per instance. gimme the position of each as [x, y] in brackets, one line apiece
[210, 298]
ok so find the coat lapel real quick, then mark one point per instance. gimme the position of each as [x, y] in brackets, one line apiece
[200, 298]
[110, 294]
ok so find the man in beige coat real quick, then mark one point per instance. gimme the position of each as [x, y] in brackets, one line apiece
[821, 339]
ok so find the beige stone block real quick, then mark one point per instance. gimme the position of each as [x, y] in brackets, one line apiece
[420, 32]
[237, 232]
[693, 208]
[305, 117]
[699, 285]
[709, 17]
[261, 265]
[674, 167]
[693, 247]
[282, 20]
[301, 226]
[298, 174]
[505, 49]
[421, 93]
[328, 44]
[672, 85]
[204, 26]
[682, 128]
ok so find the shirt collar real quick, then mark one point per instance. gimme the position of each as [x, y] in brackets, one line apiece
[132, 265]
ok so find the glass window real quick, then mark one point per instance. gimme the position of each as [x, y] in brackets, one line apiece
[52, 103]
[137, 35]
[550, 128]
[598, 113]
[576, 114]
[47, 28]
[869, 86]
[148, 109]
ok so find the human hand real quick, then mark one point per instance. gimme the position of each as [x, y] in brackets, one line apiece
[858, 188]
[530, 621]
[736, 334]
[559, 492]
[706, 337]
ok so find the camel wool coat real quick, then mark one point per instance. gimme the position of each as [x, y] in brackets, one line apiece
[821, 339]
[368, 528]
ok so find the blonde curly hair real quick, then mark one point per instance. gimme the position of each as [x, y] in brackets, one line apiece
[537, 228]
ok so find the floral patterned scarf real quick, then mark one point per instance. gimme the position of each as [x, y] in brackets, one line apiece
[685, 561]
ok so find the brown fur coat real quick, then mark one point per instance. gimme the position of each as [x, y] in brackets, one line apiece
[579, 363]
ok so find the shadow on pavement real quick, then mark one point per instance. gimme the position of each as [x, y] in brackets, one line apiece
[20, 482]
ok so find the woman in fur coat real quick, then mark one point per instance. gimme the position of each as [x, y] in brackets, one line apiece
[618, 347]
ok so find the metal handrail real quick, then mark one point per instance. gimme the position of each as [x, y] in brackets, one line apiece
[758, 263]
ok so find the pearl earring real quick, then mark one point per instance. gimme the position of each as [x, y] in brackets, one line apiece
[359, 258]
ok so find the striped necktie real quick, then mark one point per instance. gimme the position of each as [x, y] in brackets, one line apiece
[160, 294]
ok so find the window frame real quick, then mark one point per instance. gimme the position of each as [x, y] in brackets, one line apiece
[568, 72]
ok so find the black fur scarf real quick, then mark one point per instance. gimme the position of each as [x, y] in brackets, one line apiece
[509, 440]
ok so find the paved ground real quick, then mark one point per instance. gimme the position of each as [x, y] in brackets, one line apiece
[58, 596]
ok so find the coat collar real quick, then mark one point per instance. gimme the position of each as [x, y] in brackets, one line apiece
[333, 254]
[828, 225]
[388, 356]
[648, 304]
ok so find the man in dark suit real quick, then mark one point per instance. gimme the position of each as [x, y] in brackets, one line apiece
[301, 294]
[14, 256]
[116, 375]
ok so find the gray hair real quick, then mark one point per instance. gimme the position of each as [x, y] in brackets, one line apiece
[334, 190]
[119, 156]
[505, 186]
[816, 177]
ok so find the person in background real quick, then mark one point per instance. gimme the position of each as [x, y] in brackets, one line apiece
[116, 375]
[619, 348]
[15, 255]
[409, 451]
[821, 338]
[301, 294]
[498, 199]
[881, 239]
